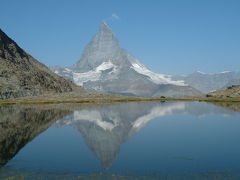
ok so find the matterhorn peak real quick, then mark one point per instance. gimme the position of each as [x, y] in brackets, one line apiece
[105, 33]
[102, 48]
[105, 27]
[107, 68]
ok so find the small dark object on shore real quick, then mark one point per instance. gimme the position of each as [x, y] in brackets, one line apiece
[209, 95]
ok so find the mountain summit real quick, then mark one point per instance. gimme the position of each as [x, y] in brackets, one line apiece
[105, 67]
[22, 75]
[104, 47]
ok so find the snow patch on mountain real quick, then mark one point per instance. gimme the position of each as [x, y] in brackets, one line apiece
[203, 73]
[224, 72]
[200, 72]
[95, 74]
[154, 77]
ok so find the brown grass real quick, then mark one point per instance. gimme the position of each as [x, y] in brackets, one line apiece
[103, 99]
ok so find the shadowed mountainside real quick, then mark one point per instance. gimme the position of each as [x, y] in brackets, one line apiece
[22, 75]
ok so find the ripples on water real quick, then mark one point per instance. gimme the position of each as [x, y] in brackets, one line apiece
[150, 140]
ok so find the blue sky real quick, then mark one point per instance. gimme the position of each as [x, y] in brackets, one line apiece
[168, 36]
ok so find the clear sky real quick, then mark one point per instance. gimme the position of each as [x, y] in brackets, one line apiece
[168, 36]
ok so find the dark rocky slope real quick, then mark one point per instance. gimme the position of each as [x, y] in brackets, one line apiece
[22, 75]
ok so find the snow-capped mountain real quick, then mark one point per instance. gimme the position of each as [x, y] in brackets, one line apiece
[106, 67]
[210, 82]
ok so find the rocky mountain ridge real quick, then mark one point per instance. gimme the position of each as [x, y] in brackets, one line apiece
[23, 75]
[230, 92]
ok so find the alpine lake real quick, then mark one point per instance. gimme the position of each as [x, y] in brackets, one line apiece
[138, 140]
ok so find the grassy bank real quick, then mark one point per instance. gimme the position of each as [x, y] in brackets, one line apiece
[98, 99]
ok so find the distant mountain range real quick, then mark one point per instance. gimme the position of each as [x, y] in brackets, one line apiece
[22, 75]
[210, 82]
[107, 68]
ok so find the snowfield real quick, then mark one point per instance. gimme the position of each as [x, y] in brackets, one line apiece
[95, 74]
[154, 77]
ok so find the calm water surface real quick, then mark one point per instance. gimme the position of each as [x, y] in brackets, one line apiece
[153, 140]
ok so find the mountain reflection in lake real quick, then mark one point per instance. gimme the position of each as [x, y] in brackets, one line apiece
[142, 139]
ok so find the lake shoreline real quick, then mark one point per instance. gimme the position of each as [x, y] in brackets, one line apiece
[109, 99]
